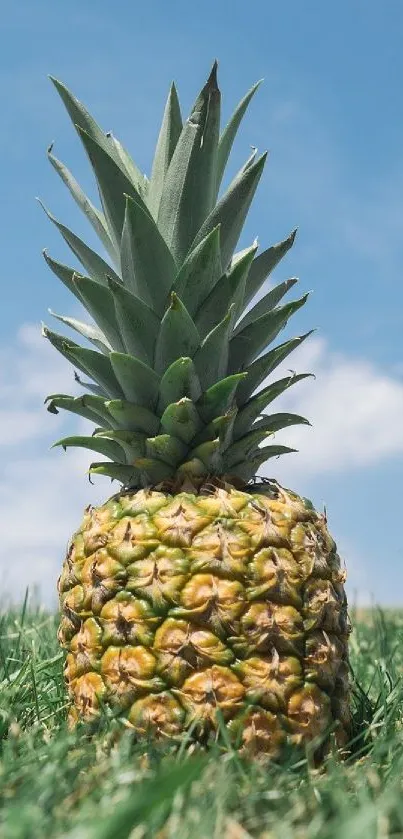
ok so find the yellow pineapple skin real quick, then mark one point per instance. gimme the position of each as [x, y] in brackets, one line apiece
[176, 606]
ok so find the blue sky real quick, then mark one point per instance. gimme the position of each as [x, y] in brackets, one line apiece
[330, 112]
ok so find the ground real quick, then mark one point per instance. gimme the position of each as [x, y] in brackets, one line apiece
[103, 785]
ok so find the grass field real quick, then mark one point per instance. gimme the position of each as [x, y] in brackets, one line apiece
[104, 785]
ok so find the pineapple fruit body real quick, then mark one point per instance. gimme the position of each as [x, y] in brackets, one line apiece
[178, 606]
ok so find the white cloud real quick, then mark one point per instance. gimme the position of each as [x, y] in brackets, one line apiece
[355, 409]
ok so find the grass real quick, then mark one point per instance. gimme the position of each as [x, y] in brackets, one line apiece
[60, 785]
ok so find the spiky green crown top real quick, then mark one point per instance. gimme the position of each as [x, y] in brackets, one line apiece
[176, 358]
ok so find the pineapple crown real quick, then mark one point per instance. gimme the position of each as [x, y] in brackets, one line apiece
[178, 355]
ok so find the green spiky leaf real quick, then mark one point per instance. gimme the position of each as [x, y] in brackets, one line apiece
[251, 410]
[108, 448]
[264, 264]
[93, 215]
[179, 380]
[258, 371]
[95, 266]
[167, 141]
[266, 304]
[139, 383]
[231, 210]
[138, 324]
[177, 337]
[189, 188]
[180, 419]
[248, 343]
[200, 272]
[148, 267]
[133, 417]
[230, 131]
[98, 300]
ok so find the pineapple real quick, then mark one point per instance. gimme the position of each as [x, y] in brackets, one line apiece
[197, 593]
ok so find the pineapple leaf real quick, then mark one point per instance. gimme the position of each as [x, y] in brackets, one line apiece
[98, 300]
[108, 448]
[95, 389]
[177, 337]
[248, 343]
[95, 218]
[189, 188]
[139, 382]
[126, 475]
[228, 135]
[252, 409]
[200, 272]
[209, 453]
[181, 419]
[168, 137]
[266, 304]
[81, 119]
[153, 470]
[247, 470]
[97, 366]
[125, 161]
[218, 398]
[64, 273]
[231, 210]
[113, 186]
[132, 442]
[92, 262]
[138, 324]
[229, 289]
[264, 264]
[179, 380]
[148, 267]
[211, 360]
[62, 344]
[132, 417]
[167, 448]
[272, 423]
[264, 365]
[87, 330]
[242, 447]
[90, 407]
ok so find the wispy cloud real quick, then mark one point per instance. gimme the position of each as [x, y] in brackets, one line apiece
[355, 408]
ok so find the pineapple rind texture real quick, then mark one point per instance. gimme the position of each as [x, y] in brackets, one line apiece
[175, 607]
